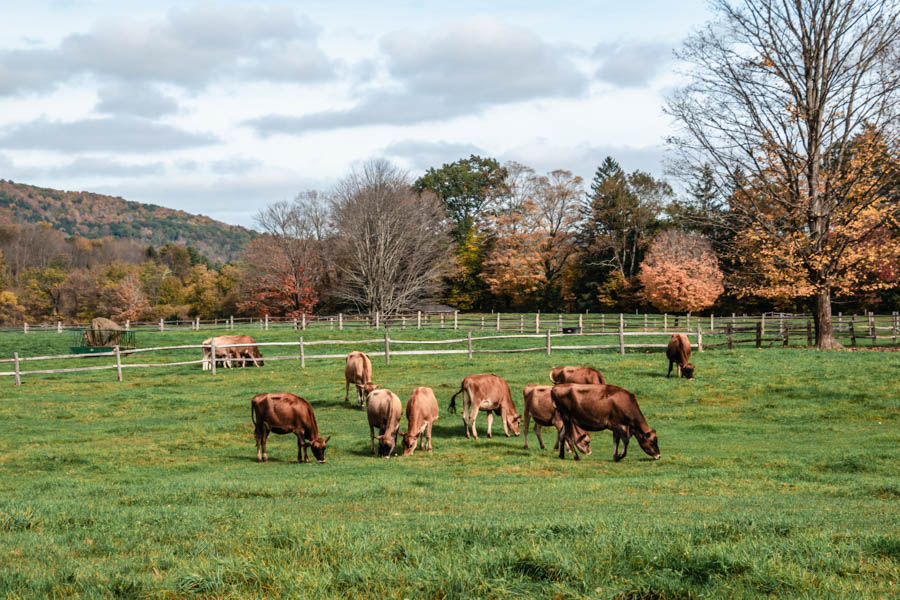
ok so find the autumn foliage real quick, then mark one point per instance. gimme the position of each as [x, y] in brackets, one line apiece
[680, 273]
[272, 286]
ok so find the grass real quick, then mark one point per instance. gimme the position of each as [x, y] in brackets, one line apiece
[778, 477]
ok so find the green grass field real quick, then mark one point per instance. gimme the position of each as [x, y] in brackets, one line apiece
[778, 478]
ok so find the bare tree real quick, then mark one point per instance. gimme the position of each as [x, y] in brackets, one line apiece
[780, 92]
[392, 244]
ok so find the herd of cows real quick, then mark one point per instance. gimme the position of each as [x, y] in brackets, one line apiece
[578, 402]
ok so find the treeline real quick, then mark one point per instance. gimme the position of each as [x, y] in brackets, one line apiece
[474, 234]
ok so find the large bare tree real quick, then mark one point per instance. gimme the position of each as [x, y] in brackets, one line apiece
[393, 244]
[781, 96]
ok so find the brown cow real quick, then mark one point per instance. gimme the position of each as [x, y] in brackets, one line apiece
[599, 407]
[490, 393]
[539, 406]
[384, 410]
[576, 375]
[679, 353]
[358, 371]
[233, 355]
[421, 413]
[286, 413]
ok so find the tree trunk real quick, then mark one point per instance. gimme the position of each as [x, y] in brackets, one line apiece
[824, 328]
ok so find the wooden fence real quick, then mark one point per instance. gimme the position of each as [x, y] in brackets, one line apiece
[517, 322]
[781, 332]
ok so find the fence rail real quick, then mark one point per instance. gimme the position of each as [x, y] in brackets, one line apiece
[756, 332]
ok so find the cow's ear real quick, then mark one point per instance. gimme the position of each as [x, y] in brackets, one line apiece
[325, 441]
[379, 437]
[652, 432]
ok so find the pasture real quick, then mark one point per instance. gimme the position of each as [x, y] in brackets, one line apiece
[778, 477]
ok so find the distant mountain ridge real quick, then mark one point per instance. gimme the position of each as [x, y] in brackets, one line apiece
[96, 215]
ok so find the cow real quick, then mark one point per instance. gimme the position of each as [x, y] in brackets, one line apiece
[490, 393]
[539, 406]
[679, 352]
[286, 413]
[599, 407]
[223, 355]
[576, 375]
[421, 413]
[384, 411]
[359, 372]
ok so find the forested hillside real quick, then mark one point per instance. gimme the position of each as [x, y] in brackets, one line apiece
[95, 215]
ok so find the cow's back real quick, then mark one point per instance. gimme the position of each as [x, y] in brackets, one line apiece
[282, 411]
[383, 408]
[586, 375]
[538, 402]
[487, 386]
[422, 403]
[358, 368]
[679, 349]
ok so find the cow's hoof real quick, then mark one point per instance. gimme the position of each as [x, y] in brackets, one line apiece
[616, 458]
[576, 457]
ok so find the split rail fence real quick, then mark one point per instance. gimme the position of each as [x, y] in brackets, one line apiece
[759, 331]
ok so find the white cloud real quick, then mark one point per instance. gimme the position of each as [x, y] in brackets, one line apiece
[137, 100]
[632, 64]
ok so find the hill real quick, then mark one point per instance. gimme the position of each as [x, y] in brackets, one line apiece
[95, 215]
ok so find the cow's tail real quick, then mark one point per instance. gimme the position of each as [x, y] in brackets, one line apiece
[553, 381]
[452, 408]
[253, 413]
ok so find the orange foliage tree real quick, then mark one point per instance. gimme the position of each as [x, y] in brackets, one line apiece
[680, 272]
[271, 285]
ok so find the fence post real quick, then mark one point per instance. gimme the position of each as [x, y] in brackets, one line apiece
[602, 322]
[162, 325]
[469, 342]
[871, 324]
[402, 322]
[127, 324]
[809, 336]
[730, 336]
[787, 335]
[419, 319]
[266, 326]
[688, 321]
[665, 322]
[118, 364]
[548, 341]
[521, 323]
[894, 327]
[59, 327]
[621, 334]
[852, 334]
[498, 321]
[699, 338]
[16, 361]
[294, 326]
[377, 318]
[759, 330]
[302, 354]
[559, 320]
[580, 324]
[763, 322]
[712, 323]
[645, 322]
[482, 323]
[442, 320]
[303, 321]
[455, 320]
[840, 321]
[341, 321]
[212, 356]
[387, 348]
[733, 320]
[874, 331]
[537, 322]
[231, 322]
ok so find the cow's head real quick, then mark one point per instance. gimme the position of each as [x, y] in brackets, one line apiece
[649, 442]
[513, 423]
[258, 358]
[386, 444]
[318, 448]
[583, 441]
[687, 371]
[410, 442]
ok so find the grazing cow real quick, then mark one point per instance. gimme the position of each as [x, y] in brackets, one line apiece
[358, 371]
[576, 375]
[384, 410]
[679, 353]
[421, 413]
[223, 355]
[490, 393]
[599, 407]
[539, 406]
[286, 413]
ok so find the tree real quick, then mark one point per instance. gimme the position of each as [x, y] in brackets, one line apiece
[272, 285]
[11, 312]
[779, 93]
[680, 272]
[392, 244]
[465, 187]
[128, 300]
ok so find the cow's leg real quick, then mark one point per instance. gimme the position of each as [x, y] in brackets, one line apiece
[372, 437]
[265, 437]
[258, 435]
[538, 428]
[347, 392]
[490, 424]
[669, 374]
[620, 434]
[428, 436]
[504, 417]
[360, 395]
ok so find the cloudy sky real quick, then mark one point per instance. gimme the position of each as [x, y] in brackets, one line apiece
[221, 108]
